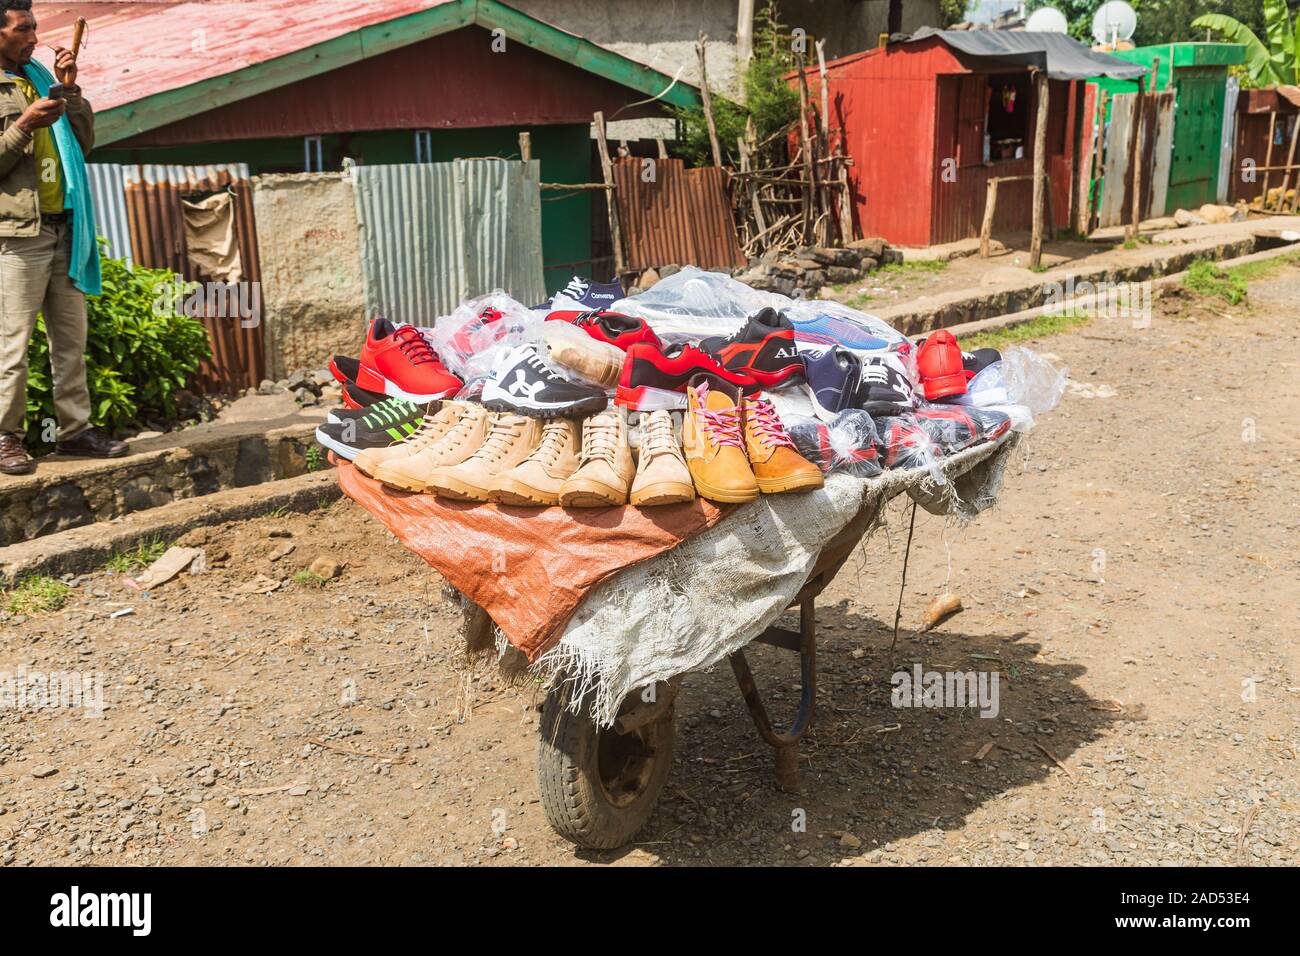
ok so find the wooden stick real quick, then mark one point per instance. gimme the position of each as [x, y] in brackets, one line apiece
[821, 69]
[525, 146]
[990, 204]
[1050, 223]
[1139, 153]
[1040, 171]
[1290, 160]
[708, 101]
[607, 170]
[1268, 155]
[78, 34]
[751, 187]
[1131, 226]
[806, 148]
[846, 207]
[663, 149]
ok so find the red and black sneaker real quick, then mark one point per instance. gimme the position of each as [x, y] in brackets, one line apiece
[345, 369]
[356, 397]
[763, 348]
[397, 361]
[654, 379]
[617, 329]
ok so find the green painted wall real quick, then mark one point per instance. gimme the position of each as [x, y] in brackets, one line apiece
[564, 153]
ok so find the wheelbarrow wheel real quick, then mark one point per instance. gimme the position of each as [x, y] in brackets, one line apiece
[599, 786]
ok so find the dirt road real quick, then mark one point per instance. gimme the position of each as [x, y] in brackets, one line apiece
[1135, 590]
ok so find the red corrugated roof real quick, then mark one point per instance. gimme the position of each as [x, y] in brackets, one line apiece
[134, 50]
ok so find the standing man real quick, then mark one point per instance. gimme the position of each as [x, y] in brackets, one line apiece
[44, 258]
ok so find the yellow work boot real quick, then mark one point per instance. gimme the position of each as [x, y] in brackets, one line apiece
[605, 470]
[431, 429]
[662, 477]
[510, 439]
[776, 464]
[468, 426]
[713, 438]
[536, 481]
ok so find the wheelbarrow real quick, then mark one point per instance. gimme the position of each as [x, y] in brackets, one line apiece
[599, 785]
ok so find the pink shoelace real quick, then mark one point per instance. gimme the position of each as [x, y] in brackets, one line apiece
[413, 345]
[767, 425]
[721, 426]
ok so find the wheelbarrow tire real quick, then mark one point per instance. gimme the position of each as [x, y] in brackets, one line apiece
[599, 787]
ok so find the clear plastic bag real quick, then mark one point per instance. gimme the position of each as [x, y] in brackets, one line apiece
[692, 304]
[581, 357]
[1032, 380]
[847, 443]
[819, 323]
[470, 340]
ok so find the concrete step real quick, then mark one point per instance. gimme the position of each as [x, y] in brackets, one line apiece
[86, 548]
[67, 493]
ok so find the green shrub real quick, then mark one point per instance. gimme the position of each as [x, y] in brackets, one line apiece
[35, 595]
[138, 355]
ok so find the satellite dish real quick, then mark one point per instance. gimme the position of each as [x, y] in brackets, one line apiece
[1113, 21]
[1047, 20]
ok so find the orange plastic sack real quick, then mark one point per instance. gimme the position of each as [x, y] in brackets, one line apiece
[529, 568]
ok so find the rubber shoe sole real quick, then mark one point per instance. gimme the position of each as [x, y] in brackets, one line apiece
[663, 493]
[726, 496]
[498, 399]
[372, 381]
[644, 398]
[584, 493]
[774, 486]
[457, 490]
[508, 491]
[340, 449]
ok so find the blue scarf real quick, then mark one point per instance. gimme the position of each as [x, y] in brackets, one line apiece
[84, 266]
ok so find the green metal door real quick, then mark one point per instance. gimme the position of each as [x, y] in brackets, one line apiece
[1198, 121]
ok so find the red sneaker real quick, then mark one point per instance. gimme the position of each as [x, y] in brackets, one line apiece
[653, 380]
[344, 369]
[939, 365]
[763, 348]
[397, 361]
[617, 329]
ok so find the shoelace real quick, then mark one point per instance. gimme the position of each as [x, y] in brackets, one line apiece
[535, 361]
[504, 432]
[388, 412]
[600, 438]
[413, 345]
[555, 434]
[767, 425]
[427, 433]
[721, 426]
[658, 435]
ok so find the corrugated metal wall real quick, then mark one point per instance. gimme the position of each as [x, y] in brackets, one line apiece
[157, 229]
[679, 217]
[435, 234]
[1157, 147]
[108, 193]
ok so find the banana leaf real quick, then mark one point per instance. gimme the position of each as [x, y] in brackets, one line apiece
[1260, 67]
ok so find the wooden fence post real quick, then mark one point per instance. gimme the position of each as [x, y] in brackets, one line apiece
[607, 170]
[1040, 170]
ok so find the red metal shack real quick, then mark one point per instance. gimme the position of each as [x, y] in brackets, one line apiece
[927, 125]
[1260, 112]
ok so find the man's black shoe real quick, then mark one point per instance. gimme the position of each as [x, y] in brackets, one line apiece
[14, 459]
[91, 444]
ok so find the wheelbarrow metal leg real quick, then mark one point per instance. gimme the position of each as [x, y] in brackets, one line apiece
[786, 744]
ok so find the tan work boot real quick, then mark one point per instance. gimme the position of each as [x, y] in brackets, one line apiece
[713, 439]
[462, 439]
[431, 429]
[776, 464]
[662, 477]
[605, 471]
[510, 439]
[536, 481]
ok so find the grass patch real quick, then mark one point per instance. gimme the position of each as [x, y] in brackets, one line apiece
[141, 556]
[1036, 328]
[315, 460]
[308, 579]
[1205, 278]
[1264, 268]
[35, 595]
[912, 267]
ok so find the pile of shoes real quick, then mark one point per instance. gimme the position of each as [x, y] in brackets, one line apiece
[590, 407]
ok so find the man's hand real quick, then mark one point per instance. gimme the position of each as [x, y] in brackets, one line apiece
[65, 66]
[44, 112]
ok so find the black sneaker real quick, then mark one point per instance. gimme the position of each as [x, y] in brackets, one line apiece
[378, 428]
[884, 388]
[399, 405]
[521, 382]
[763, 348]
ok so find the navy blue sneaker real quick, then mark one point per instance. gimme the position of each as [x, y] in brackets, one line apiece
[832, 375]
